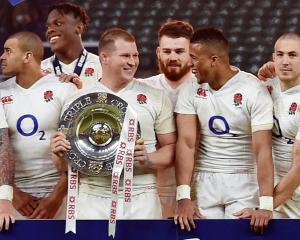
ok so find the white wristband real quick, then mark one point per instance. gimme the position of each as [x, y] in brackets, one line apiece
[6, 192]
[183, 192]
[266, 203]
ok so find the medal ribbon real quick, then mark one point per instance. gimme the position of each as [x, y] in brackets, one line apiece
[79, 65]
[125, 153]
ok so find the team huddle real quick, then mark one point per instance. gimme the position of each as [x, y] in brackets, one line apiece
[216, 142]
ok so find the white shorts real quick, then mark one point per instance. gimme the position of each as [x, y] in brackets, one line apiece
[219, 195]
[59, 215]
[166, 187]
[290, 208]
[144, 206]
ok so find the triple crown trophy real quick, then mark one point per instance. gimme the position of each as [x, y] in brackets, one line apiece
[92, 124]
[98, 126]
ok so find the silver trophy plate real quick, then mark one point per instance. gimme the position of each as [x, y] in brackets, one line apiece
[93, 123]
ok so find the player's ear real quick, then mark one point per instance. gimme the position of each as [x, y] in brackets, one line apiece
[28, 56]
[158, 52]
[214, 60]
[79, 28]
[103, 56]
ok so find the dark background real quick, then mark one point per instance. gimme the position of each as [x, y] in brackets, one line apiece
[251, 25]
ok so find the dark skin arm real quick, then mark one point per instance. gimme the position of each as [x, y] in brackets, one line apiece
[184, 167]
[262, 142]
[48, 206]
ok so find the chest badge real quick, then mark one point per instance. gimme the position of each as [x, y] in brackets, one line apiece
[141, 98]
[202, 92]
[237, 99]
[89, 72]
[293, 108]
[48, 96]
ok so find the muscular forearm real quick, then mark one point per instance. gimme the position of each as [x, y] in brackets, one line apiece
[163, 157]
[6, 159]
[286, 187]
[184, 164]
[60, 163]
[265, 173]
[60, 190]
[186, 147]
[262, 146]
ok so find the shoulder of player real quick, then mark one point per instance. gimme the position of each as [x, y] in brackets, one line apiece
[93, 58]
[192, 86]
[7, 83]
[248, 80]
[53, 81]
[151, 92]
[151, 79]
[46, 62]
[144, 86]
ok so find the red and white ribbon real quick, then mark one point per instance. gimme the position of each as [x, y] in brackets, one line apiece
[72, 200]
[124, 155]
[128, 169]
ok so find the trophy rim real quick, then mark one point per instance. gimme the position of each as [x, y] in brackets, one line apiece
[84, 156]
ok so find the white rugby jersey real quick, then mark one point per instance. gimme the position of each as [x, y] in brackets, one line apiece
[91, 71]
[33, 116]
[166, 177]
[286, 124]
[227, 117]
[155, 115]
[159, 81]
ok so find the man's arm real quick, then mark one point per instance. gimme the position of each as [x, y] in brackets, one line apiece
[266, 71]
[6, 180]
[262, 147]
[288, 184]
[185, 146]
[165, 155]
[48, 206]
[24, 202]
[59, 145]
[184, 167]
[162, 157]
[7, 164]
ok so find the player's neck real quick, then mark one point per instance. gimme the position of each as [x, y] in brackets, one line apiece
[176, 84]
[287, 84]
[221, 78]
[28, 77]
[70, 54]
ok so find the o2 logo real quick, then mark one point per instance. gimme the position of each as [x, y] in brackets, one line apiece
[279, 133]
[35, 126]
[218, 131]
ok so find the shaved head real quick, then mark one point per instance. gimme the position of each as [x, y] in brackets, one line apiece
[30, 42]
[288, 36]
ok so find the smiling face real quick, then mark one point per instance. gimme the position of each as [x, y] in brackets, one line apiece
[12, 58]
[62, 30]
[201, 60]
[122, 62]
[173, 57]
[286, 57]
